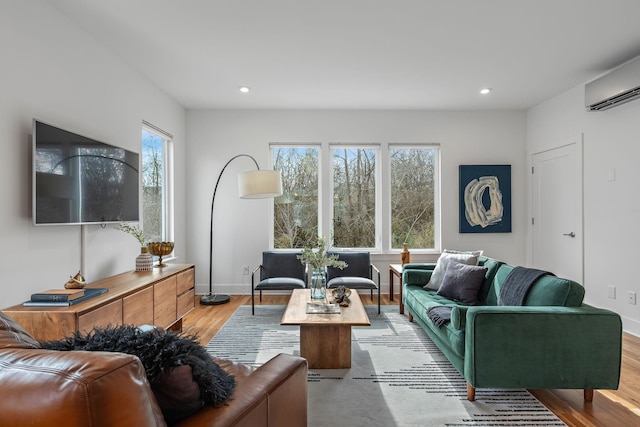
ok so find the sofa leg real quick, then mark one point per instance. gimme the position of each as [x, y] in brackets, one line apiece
[588, 395]
[410, 317]
[471, 393]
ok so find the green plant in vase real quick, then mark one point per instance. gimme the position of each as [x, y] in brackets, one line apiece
[144, 261]
[134, 230]
[318, 258]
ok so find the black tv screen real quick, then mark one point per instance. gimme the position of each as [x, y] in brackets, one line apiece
[78, 180]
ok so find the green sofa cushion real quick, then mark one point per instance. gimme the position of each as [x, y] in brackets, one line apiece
[492, 266]
[546, 291]
[418, 300]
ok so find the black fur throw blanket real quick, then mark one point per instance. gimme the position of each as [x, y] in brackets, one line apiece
[160, 351]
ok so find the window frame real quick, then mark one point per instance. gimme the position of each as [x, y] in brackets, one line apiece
[383, 237]
[305, 145]
[437, 228]
[168, 205]
[378, 192]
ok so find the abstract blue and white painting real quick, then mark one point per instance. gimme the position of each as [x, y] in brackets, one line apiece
[485, 198]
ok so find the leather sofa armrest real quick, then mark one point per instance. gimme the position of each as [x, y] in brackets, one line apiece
[75, 389]
[275, 394]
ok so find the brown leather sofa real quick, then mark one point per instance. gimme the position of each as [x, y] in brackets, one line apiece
[79, 389]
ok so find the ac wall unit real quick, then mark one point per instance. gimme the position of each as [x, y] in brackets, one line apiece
[614, 88]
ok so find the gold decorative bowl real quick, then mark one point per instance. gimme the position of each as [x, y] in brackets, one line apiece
[160, 249]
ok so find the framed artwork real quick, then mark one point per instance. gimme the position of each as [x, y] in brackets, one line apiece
[485, 199]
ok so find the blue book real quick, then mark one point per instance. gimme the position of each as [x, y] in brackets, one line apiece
[88, 293]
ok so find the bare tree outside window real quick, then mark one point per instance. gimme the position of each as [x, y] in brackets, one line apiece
[409, 193]
[296, 211]
[412, 197]
[153, 188]
[354, 197]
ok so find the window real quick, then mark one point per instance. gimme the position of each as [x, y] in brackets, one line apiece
[413, 189]
[296, 211]
[358, 204]
[157, 208]
[354, 197]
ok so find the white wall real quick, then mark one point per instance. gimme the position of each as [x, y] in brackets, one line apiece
[241, 230]
[54, 71]
[611, 208]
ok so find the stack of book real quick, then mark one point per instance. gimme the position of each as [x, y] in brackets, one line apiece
[63, 297]
[57, 295]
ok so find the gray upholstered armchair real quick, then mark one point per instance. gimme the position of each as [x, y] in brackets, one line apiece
[357, 275]
[280, 270]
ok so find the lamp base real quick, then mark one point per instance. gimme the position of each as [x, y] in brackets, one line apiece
[214, 299]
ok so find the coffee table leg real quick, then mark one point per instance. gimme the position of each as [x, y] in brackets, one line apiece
[326, 346]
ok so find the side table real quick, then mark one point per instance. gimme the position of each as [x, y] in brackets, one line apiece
[395, 270]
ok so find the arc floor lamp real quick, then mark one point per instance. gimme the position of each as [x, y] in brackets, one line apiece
[257, 184]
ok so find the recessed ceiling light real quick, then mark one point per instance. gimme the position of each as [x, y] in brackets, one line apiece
[485, 90]
[244, 89]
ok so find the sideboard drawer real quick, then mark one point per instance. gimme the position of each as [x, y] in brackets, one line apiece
[164, 302]
[186, 280]
[107, 315]
[186, 302]
[137, 309]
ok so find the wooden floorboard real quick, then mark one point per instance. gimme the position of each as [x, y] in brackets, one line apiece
[610, 408]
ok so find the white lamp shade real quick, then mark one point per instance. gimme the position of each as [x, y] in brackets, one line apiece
[259, 184]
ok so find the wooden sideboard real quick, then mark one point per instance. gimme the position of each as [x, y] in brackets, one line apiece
[160, 297]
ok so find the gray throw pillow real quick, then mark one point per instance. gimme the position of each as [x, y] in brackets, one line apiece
[462, 282]
[465, 257]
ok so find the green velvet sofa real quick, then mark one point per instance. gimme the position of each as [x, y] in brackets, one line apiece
[552, 341]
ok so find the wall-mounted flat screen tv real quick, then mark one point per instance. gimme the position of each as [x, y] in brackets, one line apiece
[78, 180]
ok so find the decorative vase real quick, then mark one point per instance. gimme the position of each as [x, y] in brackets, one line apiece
[144, 261]
[160, 249]
[406, 255]
[318, 284]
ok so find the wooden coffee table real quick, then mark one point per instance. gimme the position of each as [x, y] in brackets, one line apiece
[325, 339]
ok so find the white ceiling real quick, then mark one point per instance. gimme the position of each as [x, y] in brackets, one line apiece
[364, 54]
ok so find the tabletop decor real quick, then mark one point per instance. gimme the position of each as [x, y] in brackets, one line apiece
[76, 282]
[319, 260]
[134, 230]
[160, 249]
[144, 261]
[341, 296]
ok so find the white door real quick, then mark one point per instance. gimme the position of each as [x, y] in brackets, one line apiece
[557, 211]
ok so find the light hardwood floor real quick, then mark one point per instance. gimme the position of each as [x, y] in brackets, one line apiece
[610, 408]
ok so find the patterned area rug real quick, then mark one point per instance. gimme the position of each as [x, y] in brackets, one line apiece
[398, 376]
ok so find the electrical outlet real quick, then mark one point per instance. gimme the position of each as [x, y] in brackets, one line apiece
[632, 298]
[245, 270]
[612, 292]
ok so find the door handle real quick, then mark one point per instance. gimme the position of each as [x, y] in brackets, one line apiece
[572, 234]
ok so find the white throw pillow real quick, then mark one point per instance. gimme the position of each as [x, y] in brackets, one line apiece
[463, 257]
